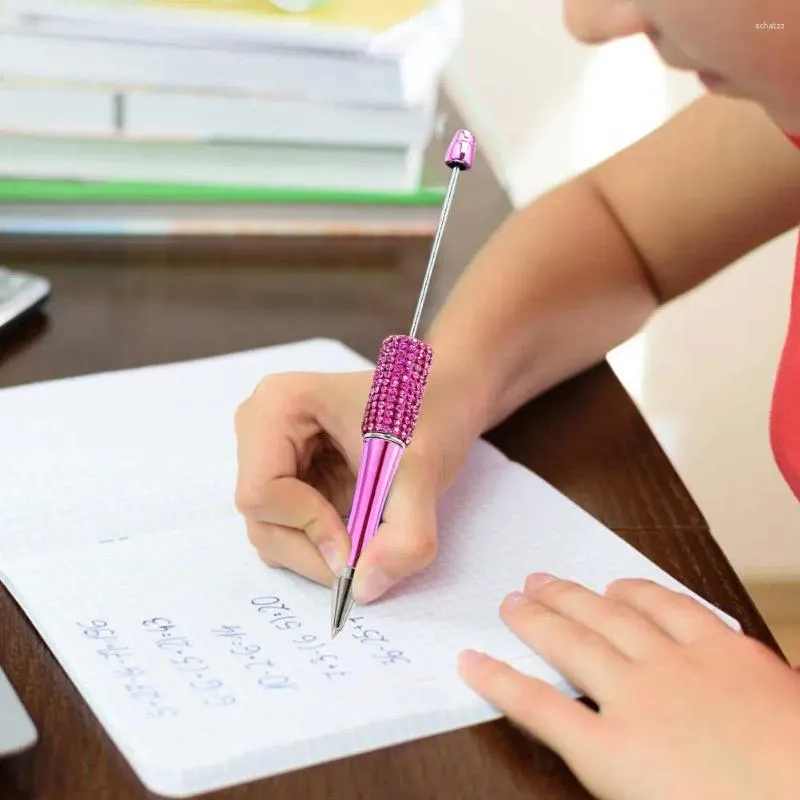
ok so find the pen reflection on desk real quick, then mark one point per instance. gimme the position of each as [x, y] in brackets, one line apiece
[393, 407]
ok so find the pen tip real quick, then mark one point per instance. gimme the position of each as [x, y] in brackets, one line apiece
[342, 602]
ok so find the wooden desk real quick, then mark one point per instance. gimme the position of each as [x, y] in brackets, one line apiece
[122, 305]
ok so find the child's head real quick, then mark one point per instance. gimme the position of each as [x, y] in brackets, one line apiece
[743, 48]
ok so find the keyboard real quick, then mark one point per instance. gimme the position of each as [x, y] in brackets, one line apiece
[20, 293]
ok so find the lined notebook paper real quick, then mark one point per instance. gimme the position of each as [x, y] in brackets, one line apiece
[119, 540]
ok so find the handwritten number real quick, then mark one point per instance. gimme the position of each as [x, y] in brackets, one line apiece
[95, 623]
[224, 700]
[247, 650]
[214, 683]
[158, 622]
[323, 659]
[265, 602]
[288, 624]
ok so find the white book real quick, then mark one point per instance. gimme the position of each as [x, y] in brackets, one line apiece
[55, 108]
[207, 668]
[384, 80]
[211, 163]
[61, 108]
[361, 27]
[201, 115]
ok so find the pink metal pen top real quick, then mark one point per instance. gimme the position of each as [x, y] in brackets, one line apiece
[393, 408]
[461, 152]
[397, 388]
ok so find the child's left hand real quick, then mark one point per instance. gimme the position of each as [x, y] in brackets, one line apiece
[688, 707]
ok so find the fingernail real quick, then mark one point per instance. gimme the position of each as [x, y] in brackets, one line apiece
[471, 659]
[515, 599]
[333, 556]
[374, 584]
[537, 580]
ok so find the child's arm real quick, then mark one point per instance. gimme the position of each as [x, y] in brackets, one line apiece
[556, 287]
[581, 269]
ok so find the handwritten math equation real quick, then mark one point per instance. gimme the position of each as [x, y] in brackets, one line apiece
[217, 667]
[316, 651]
[252, 656]
[321, 652]
[125, 668]
[183, 657]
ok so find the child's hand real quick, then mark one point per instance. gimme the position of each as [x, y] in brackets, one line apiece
[689, 708]
[299, 445]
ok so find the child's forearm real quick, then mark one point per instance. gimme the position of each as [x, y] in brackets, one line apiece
[553, 290]
[579, 271]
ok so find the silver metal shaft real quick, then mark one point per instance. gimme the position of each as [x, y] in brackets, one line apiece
[437, 239]
[343, 591]
[342, 601]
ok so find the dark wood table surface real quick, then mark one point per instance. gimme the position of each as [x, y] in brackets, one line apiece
[120, 304]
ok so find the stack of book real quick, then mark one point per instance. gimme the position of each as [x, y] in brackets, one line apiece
[173, 115]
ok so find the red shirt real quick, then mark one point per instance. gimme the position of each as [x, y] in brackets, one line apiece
[785, 417]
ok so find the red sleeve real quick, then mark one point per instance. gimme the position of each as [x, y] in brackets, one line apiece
[785, 416]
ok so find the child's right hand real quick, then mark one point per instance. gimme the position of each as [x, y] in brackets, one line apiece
[299, 445]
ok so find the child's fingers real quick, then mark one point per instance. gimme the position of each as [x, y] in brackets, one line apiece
[290, 503]
[273, 430]
[678, 615]
[631, 633]
[557, 721]
[583, 656]
[279, 546]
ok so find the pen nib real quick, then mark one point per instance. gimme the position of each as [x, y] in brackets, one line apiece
[342, 601]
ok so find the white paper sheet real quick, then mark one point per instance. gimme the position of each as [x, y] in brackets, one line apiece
[119, 540]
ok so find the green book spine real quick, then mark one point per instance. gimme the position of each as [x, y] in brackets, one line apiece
[13, 190]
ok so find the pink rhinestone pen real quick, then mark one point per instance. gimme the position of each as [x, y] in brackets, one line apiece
[393, 407]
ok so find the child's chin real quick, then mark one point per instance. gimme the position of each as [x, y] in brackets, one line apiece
[718, 85]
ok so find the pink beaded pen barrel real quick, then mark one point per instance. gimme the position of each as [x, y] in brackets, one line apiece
[393, 407]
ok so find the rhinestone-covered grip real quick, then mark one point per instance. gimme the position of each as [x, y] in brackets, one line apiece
[397, 387]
